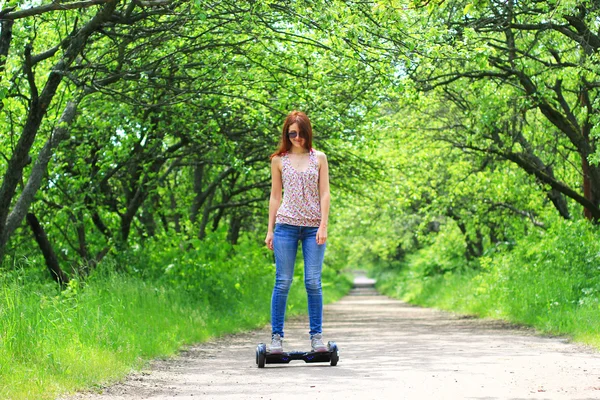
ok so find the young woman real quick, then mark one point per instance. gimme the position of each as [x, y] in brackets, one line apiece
[302, 174]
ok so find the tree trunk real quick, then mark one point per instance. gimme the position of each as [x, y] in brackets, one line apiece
[51, 260]
[38, 172]
[199, 198]
[474, 249]
[176, 215]
[202, 196]
[206, 215]
[591, 186]
[5, 40]
[587, 187]
[235, 226]
[559, 202]
[146, 217]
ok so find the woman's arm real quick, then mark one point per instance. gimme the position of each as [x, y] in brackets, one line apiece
[324, 197]
[275, 199]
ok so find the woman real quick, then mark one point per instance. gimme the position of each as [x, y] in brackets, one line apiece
[303, 175]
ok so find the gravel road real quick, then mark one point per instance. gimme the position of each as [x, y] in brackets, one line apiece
[388, 350]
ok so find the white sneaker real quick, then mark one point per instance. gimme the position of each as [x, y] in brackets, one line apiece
[316, 342]
[276, 344]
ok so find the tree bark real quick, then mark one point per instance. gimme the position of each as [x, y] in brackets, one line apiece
[5, 40]
[49, 256]
[235, 225]
[54, 6]
[40, 168]
[206, 214]
[201, 196]
[198, 199]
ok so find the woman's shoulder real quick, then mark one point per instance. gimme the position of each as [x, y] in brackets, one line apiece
[277, 160]
[320, 155]
[278, 157]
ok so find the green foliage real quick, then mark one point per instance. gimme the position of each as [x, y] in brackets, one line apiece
[544, 281]
[546, 272]
[446, 254]
[212, 271]
[457, 132]
[177, 113]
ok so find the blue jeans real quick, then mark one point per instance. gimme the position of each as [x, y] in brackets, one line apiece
[285, 247]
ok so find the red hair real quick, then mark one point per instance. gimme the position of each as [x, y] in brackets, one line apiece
[305, 127]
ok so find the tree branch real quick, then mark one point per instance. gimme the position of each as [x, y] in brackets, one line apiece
[40, 167]
[526, 214]
[54, 6]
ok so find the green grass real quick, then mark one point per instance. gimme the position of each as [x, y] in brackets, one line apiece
[548, 281]
[533, 305]
[54, 342]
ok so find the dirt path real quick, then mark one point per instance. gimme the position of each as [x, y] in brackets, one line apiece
[388, 350]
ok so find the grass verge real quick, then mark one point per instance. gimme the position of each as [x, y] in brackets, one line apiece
[544, 281]
[56, 342]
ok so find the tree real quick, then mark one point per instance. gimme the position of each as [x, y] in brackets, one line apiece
[527, 71]
[166, 114]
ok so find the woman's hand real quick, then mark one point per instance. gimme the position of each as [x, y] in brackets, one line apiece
[322, 235]
[269, 240]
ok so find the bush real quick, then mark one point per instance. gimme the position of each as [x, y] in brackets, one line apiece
[548, 279]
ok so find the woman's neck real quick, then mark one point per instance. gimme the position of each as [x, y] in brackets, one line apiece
[298, 151]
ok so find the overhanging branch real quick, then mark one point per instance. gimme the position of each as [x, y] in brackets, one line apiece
[54, 6]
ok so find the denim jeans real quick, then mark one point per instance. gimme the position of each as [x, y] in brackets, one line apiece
[285, 246]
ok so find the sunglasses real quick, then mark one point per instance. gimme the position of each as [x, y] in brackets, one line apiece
[293, 134]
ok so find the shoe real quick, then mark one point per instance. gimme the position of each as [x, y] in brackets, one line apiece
[316, 342]
[276, 344]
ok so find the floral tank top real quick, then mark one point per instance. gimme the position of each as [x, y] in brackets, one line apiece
[301, 205]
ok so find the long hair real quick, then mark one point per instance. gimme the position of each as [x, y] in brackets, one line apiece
[303, 122]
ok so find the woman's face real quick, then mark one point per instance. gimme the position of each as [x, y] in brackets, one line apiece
[297, 142]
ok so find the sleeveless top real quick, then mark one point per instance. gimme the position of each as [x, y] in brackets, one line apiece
[301, 205]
